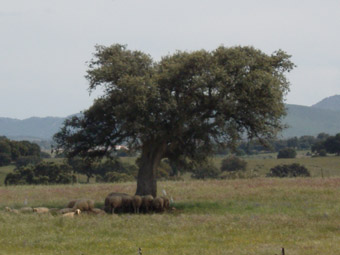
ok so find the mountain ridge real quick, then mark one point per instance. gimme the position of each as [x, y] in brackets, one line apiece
[306, 120]
[329, 103]
[322, 117]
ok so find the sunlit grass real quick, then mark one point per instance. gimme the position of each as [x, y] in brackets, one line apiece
[257, 216]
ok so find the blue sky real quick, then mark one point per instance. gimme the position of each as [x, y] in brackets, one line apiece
[44, 45]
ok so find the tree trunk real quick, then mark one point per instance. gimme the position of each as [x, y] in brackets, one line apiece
[152, 155]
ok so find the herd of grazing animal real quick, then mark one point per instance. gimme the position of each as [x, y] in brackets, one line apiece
[123, 203]
[114, 203]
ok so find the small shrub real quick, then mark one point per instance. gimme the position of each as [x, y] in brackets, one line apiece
[117, 177]
[323, 153]
[287, 153]
[292, 170]
[205, 171]
[15, 179]
[232, 164]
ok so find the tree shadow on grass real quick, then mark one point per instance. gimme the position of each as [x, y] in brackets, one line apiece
[199, 207]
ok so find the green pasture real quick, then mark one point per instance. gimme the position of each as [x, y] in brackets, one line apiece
[318, 166]
[254, 216]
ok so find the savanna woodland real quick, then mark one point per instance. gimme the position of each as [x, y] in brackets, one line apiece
[179, 108]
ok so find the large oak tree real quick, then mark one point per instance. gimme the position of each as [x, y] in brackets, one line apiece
[179, 107]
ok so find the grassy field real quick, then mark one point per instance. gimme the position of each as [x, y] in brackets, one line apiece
[318, 166]
[257, 216]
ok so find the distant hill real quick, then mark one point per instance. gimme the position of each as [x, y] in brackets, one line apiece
[329, 103]
[30, 129]
[301, 120]
[304, 120]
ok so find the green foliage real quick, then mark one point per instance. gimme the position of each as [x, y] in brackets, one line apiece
[232, 164]
[116, 166]
[323, 153]
[82, 166]
[5, 159]
[163, 170]
[42, 173]
[115, 171]
[5, 146]
[45, 154]
[287, 153]
[12, 150]
[292, 170]
[305, 142]
[26, 160]
[24, 148]
[332, 144]
[239, 174]
[117, 177]
[181, 106]
[205, 171]
[326, 143]
[318, 147]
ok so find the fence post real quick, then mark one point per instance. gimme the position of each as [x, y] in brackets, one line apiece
[283, 251]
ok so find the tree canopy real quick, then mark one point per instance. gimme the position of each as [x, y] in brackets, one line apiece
[15, 150]
[178, 108]
[332, 144]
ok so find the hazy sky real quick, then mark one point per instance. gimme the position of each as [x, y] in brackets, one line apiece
[44, 45]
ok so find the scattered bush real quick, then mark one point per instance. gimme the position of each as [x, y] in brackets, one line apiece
[253, 173]
[116, 166]
[292, 170]
[205, 171]
[323, 153]
[26, 160]
[287, 153]
[232, 164]
[43, 173]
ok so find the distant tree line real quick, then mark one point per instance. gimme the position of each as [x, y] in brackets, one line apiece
[31, 169]
[64, 172]
[256, 146]
[331, 144]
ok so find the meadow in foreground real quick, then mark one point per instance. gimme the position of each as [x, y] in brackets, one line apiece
[256, 216]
